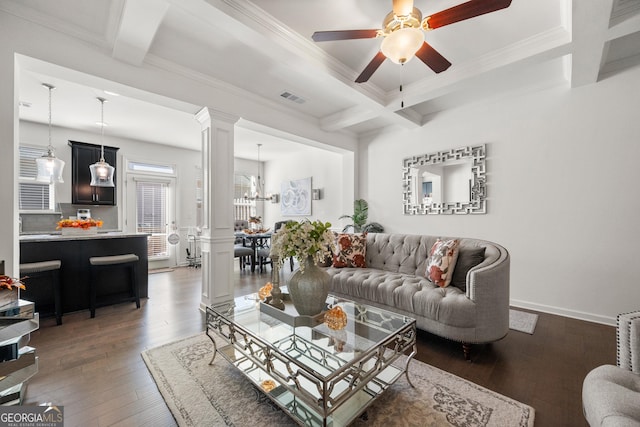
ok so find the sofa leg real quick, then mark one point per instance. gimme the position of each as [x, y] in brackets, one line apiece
[466, 348]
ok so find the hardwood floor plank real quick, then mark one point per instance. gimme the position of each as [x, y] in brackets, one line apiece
[94, 369]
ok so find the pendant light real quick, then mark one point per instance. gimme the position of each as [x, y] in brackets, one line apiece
[101, 171]
[49, 166]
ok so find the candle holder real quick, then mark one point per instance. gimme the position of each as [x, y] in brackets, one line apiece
[276, 293]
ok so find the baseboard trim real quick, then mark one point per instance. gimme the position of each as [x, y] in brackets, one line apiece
[580, 315]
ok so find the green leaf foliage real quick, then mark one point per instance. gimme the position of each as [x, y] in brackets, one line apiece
[359, 219]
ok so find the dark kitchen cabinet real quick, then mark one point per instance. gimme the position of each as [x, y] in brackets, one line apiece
[83, 155]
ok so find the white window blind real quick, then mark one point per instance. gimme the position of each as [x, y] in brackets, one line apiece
[33, 195]
[151, 200]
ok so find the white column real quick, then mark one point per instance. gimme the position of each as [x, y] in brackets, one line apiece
[9, 249]
[217, 228]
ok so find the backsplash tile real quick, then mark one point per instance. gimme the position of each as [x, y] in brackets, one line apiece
[46, 222]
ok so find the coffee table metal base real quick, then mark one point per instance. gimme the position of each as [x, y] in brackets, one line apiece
[315, 386]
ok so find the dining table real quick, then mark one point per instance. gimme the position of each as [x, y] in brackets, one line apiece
[255, 241]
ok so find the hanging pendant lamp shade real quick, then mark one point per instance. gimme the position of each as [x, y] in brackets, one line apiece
[49, 166]
[101, 171]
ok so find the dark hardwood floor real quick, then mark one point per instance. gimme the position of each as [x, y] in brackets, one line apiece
[94, 369]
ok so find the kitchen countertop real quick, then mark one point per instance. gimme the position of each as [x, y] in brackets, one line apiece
[59, 237]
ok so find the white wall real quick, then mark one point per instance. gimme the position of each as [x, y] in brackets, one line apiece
[326, 171]
[562, 177]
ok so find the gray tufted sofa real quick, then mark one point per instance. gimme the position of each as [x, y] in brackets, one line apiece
[395, 279]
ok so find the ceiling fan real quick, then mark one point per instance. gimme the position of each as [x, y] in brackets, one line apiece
[404, 36]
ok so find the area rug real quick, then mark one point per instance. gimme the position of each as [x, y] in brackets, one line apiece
[522, 321]
[199, 394]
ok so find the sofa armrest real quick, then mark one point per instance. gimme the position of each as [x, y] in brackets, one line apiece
[488, 287]
[628, 340]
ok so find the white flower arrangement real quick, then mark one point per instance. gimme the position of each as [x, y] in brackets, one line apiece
[302, 240]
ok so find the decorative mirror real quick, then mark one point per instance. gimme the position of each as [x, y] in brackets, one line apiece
[446, 182]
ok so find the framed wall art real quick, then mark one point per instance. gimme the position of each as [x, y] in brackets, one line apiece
[295, 197]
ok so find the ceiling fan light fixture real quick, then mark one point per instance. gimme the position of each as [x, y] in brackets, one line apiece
[402, 45]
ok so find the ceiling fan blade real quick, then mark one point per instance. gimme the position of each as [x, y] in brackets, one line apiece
[325, 36]
[402, 7]
[464, 11]
[432, 58]
[371, 67]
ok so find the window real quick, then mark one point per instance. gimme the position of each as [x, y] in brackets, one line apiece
[33, 195]
[151, 168]
[151, 200]
[244, 184]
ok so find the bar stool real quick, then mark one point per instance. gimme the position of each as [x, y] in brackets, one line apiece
[47, 268]
[103, 262]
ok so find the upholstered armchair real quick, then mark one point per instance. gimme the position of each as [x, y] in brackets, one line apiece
[611, 394]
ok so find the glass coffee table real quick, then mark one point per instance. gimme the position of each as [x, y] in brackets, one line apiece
[317, 375]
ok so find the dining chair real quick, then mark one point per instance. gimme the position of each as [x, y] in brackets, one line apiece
[240, 250]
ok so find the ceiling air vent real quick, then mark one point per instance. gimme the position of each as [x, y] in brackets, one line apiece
[292, 97]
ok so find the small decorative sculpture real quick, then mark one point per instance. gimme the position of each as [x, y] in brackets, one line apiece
[335, 318]
[265, 291]
[268, 385]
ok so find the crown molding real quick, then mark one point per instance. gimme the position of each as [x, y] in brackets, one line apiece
[254, 17]
[103, 40]
[205, 115]
[623, 10]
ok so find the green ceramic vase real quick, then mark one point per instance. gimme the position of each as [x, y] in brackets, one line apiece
[309, 289]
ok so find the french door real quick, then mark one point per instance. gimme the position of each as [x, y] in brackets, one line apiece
[151, 210]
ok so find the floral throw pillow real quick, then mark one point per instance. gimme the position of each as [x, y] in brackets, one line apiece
[350, 250]
[442, 262]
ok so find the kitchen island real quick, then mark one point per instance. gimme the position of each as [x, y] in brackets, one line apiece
[74, 252]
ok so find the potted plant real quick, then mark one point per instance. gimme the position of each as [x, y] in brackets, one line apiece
[359, 218]
[310, 242]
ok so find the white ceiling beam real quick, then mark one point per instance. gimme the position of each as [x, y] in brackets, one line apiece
[543, 47]
[589, 26]
[346, 118]
[624, 28]
[138, 26]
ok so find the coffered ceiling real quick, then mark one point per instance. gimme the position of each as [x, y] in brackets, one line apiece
[264, 48]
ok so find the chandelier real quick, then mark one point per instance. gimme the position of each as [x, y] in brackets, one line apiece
[258, 194]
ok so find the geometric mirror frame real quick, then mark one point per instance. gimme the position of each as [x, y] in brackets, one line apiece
[449, 182]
